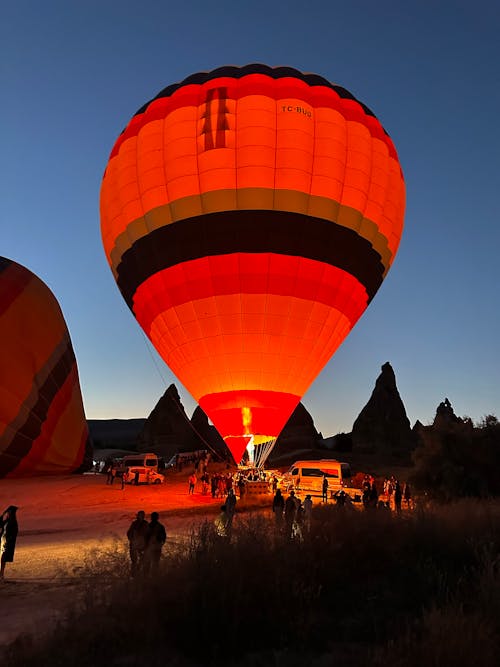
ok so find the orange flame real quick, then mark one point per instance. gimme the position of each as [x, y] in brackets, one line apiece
[246, 418]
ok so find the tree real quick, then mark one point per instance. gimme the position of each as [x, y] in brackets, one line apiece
[457, 459]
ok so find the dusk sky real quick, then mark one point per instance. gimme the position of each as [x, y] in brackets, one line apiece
[72, 75]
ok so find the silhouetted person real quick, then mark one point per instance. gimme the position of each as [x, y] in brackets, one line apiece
[407, 495]
[324, 489]
[398, 495]
[221, 523]
[278, 508]
[307, 505]
[340, 498]
[373, 502]
[155, 539]
[230, 508]
[290, 513]
[110, 478]
[137, 535]
[8, 536]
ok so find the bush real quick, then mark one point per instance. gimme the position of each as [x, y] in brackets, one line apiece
[360, 588]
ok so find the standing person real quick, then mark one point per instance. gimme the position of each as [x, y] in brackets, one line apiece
[290, 512]
[241, 487]
[205, 479]
[221, 523]
[155, 539]
[8, 536]
[397, 497]
[407, 495]
[324, 489]
[278, 508]
[230, 508]
[137, 536]
[192, 482]
[307, 505]
[340, 498]
[110, 474]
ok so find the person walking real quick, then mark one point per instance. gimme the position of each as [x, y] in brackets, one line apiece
[155, 539]
[192, 483]
[137, 536]
[8, 536]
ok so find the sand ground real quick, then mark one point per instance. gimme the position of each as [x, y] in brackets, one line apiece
[61, 519]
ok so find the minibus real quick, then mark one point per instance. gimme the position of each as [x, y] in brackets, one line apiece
[307, 476]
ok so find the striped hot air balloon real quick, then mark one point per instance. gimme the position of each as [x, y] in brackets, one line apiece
[43, 429]
[249, 215]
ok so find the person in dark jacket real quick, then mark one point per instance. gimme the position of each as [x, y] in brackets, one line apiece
[155, 539]
[137, 537]
[8, 536]
[278, 508]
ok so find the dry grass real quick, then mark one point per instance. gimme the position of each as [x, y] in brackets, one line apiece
[361, 588]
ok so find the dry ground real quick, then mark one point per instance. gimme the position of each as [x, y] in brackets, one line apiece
[63, 518]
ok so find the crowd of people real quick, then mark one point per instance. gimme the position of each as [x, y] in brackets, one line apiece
[292, 516]
[391, 496]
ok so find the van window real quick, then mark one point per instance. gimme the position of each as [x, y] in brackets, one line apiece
[318, 472]
[295, 471]
[150, 462]
[132, 462]
[345, 469]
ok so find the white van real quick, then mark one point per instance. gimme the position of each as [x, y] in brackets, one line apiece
[149, 461]
[144, 476]
[307, 477]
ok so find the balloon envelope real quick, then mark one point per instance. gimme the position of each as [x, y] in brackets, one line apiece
[249, 215]
[43, 429]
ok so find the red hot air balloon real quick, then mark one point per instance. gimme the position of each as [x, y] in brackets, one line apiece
[249, 215]
[43, 429]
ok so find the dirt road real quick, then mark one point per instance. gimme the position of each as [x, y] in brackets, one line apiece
[61, 519]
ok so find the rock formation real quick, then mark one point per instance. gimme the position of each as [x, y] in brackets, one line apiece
[167, 430]
[445, 414]
[209, 437]
[299, 433]
[382, 426]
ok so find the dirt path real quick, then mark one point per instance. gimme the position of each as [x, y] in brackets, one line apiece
[61, 519]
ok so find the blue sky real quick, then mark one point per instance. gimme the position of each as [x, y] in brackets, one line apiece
[72, 74]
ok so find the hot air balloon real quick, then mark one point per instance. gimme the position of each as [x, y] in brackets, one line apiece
[249, 215]
[43, 429]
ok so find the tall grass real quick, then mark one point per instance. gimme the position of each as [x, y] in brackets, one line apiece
[362, 588]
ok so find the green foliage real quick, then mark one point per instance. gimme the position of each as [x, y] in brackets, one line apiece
[458, 459]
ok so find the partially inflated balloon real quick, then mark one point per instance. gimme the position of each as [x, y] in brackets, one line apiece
[43, 429]
[249, 216]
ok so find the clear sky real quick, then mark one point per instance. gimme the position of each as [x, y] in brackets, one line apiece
[72, 75]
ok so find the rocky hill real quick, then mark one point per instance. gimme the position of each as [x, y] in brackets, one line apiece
[382, 429]
[382, 426]
[115, 433]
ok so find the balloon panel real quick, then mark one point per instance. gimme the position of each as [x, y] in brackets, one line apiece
[42, 423]
[249, 215]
